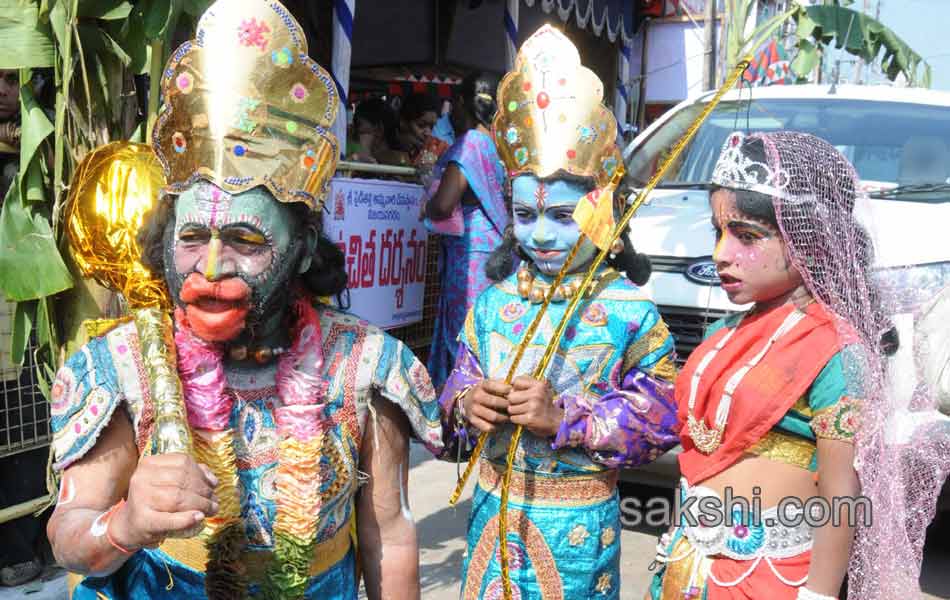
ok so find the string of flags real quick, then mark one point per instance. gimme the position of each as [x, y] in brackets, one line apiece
[770, 66]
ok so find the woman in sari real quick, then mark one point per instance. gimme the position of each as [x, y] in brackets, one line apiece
[466, 206]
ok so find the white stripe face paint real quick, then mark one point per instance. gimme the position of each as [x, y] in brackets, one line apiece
[404, 497]
[67, 492]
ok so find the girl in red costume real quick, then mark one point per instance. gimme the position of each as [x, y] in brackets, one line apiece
[769, 403]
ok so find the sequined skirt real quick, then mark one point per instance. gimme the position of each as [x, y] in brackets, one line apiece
[563, 537]
[742, 559]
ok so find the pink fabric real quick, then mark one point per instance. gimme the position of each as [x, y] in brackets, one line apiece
[454, 224]
[201, 368]
[300, 422]
[298, 370]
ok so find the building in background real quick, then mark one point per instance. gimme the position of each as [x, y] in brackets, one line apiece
[668, 53]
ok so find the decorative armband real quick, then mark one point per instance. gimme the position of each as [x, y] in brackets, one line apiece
[839, 421]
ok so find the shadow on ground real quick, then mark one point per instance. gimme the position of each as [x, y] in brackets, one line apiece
[437, 531]
[645, 508]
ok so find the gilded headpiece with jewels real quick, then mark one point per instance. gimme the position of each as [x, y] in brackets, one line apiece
[550, 113]
[246, 106]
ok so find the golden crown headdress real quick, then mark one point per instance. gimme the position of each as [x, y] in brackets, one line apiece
[246, 106]
[551, 119]
[550, 113]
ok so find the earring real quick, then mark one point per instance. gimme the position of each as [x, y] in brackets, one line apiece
[616, 248]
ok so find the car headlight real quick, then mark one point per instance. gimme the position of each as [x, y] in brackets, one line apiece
[906, 289]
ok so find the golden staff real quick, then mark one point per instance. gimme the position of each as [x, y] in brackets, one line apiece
[569, 311]
[535, 323]
[112, 190]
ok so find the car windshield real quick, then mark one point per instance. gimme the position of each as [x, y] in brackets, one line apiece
[901, 151]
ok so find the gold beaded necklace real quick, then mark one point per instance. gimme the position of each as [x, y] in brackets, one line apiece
[530, 288]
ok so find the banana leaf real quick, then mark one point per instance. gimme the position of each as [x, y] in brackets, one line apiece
[107, 10]
[30, 263]
[859, 35]
[23, 317]
[25, 39]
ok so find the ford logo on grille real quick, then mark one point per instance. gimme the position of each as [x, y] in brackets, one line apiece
[703, 272]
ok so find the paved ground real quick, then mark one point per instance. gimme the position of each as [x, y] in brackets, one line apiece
[442, 535]
[442, 544]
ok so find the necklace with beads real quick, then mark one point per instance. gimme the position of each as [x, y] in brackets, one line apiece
[708, 439]
[529, 288]
[261, 354]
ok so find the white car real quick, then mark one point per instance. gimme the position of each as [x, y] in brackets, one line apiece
[898, 140]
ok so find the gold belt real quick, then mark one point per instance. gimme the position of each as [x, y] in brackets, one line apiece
[193, 553]
[535, 488]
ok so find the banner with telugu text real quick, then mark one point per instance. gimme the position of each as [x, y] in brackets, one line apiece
[376, 225]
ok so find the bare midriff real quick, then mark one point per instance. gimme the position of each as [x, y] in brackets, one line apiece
[775, 480]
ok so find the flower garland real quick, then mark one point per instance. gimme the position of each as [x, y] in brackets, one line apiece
[301, 423]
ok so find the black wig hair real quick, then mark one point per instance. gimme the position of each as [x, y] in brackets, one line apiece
[477, 91]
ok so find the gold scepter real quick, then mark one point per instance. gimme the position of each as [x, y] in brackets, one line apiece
[113, 188]
[569, 311]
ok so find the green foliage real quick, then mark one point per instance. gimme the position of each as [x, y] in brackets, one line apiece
[30, 263]
[862, 36]
[819, 26]
[24, 37]
[96, 47]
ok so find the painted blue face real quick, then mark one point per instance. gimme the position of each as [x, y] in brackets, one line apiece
[543, 224]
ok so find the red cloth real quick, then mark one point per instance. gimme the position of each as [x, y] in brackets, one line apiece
[762, 583]
[766, 393]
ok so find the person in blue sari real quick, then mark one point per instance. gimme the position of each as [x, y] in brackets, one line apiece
[466, 205]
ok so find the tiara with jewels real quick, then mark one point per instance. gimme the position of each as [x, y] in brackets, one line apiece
[737, 171]
[550, 113]
[246, 106]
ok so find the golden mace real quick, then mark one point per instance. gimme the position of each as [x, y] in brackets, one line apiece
[112, 190]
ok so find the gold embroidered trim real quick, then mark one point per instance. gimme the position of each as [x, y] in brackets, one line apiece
[532, 488]
[649, 342]
[786, 448]
[801, 406]
[664, 368]
[680, 575]
[839, 421]
[193, 553]
[94, 328]
[578, 535]
[539, 553]
[603, 583]
[469, 330]
[607, 537]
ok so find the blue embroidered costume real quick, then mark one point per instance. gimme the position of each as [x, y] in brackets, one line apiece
[612, 376]
[106, 377]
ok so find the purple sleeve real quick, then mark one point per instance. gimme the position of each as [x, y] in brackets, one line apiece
[466, 373]
[631, 425]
